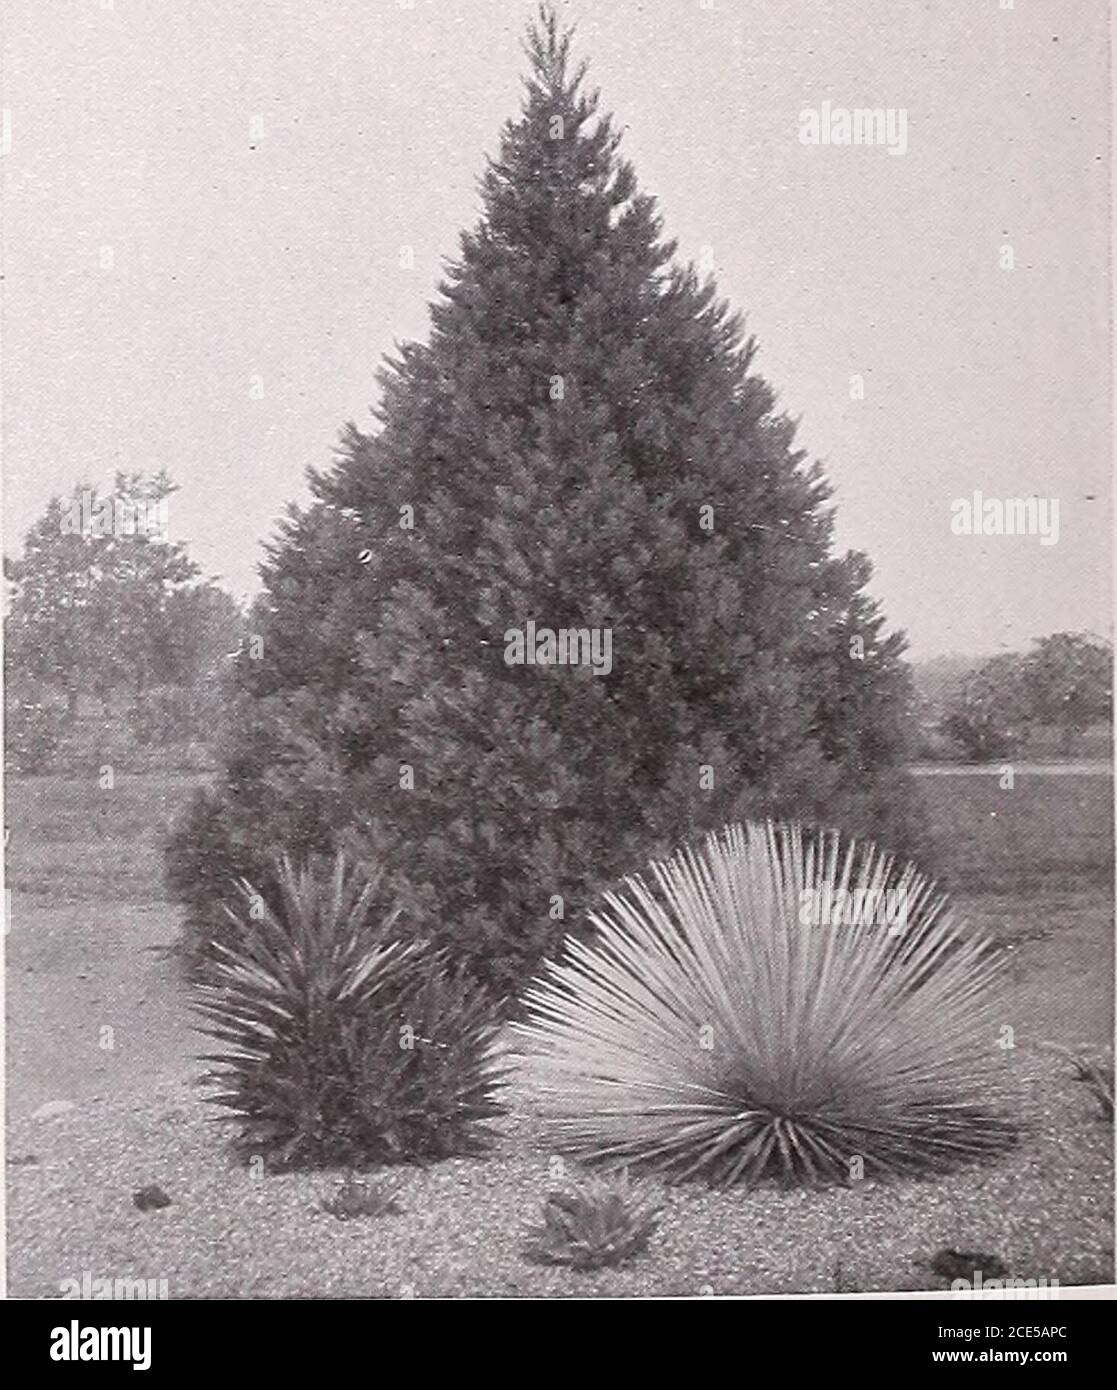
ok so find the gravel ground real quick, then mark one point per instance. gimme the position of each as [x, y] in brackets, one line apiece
[1045, 1211]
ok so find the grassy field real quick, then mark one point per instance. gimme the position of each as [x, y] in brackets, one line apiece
[1044, 833]
[98, 1032]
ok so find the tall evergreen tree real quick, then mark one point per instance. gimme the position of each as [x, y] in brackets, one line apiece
[582, 443]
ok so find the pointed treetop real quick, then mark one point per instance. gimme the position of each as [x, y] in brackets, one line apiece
[548, 51]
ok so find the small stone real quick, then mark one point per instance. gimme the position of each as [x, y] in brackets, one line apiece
[52, 1108]
[963, 1264]
[150, 1198]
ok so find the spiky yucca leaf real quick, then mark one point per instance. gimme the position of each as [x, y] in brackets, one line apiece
[289, 967]
[1096, 1075]
[719, 1028]
[339, 1043]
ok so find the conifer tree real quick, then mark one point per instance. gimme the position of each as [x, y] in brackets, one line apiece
[583, 443]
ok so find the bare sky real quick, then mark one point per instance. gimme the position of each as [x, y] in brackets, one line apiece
[205, 205]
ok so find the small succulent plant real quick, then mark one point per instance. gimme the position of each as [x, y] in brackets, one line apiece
[355, 1198]
[599, 1223]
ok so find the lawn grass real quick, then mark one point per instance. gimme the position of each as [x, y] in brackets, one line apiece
[73, 839]
[1031, 865]
[1049, 832]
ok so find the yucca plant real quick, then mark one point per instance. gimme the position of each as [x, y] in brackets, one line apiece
[721, 1028]
[340, 1043]
[594, 1225]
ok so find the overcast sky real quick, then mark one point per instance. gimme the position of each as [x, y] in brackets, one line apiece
[205, 205]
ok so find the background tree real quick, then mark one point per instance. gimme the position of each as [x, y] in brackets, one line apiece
[206, 626]
[584, 442]
[102, 601]
[49, 631]
[210, 630]
[989, 715]
[143, 577]
[1068, 681]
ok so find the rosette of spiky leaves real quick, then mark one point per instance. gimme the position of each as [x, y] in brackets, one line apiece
[595, 1224]
[739, 1023]
[354, 1199]
[340, 1043]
